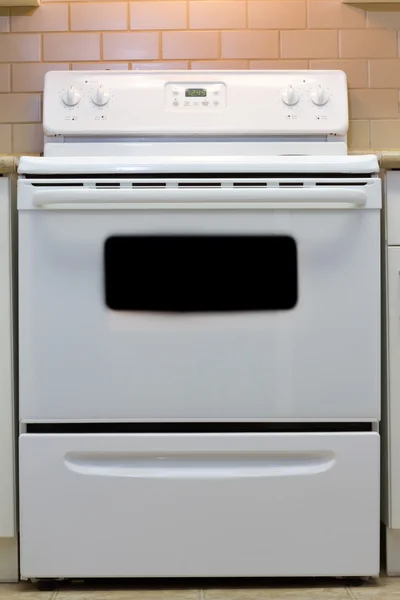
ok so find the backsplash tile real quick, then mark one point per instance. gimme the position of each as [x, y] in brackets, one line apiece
[359, 134]
[250, 44]
[220, 64]
[98, 17]
[275, 14]
[384, 73]
[48, 17]
[373, 104]
[97, 66]
[155, 65]
[4, 19]
[217, 14]
[19, 47]
[5, 78]
[29, 77]
[383, 20]
[279, 64]
[20, 108]
[158, 15]
[309, 44]
[385, 134]
[71, 46]
[27, 138]
[126, 46]
[358, 43]
[190, 44]
[356, 70]
[5, 139]
[335, 15]
[200, 34]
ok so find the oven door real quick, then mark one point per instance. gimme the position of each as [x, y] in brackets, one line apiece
[199, 304]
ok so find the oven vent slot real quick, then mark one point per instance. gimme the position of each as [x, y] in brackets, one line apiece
[339, 184]
[249, 184]
[57, 185]
[109, 186]
[291, 184]
[201, 184]
[149, 185]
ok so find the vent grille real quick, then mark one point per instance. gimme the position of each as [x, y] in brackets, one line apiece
[176, 184]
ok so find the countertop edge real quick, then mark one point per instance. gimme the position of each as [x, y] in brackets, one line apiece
[8, 164]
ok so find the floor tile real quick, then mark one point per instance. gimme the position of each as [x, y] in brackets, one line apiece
[384, 588]
[282, 591]
[124, 592]
[22, 591]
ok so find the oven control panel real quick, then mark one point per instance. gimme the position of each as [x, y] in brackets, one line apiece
[166, 103]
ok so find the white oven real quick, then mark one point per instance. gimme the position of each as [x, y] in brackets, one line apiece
[200, 330]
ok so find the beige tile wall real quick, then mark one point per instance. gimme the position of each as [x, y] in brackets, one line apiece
[200, 34]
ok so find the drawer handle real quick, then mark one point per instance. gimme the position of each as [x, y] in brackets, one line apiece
[199, 465]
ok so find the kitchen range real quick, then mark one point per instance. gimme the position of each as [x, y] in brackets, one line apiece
[199, 272]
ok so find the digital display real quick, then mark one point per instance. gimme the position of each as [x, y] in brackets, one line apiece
[195, 93]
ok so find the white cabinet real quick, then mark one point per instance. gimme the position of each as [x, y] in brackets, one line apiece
[393, 395]
[391, 379]
[8, 527]
[7, 492]
[391, 373]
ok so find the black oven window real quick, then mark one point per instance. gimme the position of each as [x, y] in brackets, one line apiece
[200, 273]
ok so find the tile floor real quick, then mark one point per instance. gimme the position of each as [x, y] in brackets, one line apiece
[382, 589]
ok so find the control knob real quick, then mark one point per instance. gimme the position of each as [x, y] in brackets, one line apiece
[290, 96]
[101, 96]
[319, 96]
[71, 96]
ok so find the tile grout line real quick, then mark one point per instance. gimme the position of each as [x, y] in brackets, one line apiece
[351, 593]
[202, 596]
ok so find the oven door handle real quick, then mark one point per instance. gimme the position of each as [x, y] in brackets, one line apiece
[198, 198]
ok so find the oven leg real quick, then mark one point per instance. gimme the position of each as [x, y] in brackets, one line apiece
[46, 585]
[355, 581]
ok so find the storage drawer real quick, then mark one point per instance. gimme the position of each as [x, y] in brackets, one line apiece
[153, 505]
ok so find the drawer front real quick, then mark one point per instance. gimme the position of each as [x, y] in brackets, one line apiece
[153, 505]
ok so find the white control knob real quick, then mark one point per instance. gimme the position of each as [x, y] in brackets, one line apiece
[290, 96]
[100, 96]
[71, 96]
[319, 96]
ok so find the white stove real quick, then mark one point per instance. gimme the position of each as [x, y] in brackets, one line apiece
[199, 329]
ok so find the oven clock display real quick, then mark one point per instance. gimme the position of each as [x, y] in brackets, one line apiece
[195, 93]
